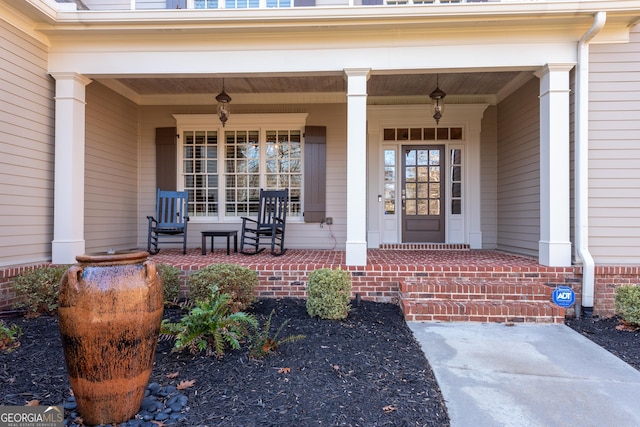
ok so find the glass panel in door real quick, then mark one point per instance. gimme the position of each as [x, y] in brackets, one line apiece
[423, 194]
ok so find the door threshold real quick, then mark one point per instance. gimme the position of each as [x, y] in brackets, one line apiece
[426, 246]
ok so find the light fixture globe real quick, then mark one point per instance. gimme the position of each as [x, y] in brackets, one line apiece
[224, 111]
[437, 102]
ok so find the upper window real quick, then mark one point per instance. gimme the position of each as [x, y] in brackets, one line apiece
[224, 169]
[239, 4]
[422, 134]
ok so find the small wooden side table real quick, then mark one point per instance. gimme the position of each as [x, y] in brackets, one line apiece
[220, 233]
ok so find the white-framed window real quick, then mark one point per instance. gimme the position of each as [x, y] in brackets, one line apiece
[225, 4]
[224, 168]
[455, 179]
[200, 171]
[390, 181]
[239, 4]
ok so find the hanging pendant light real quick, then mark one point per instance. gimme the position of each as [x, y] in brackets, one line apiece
[223, 99]
[437, 102]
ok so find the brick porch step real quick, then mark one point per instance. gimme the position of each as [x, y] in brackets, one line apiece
[482, 311]
[477, 300]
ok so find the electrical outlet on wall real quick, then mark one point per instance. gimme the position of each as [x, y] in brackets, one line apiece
[328, 220]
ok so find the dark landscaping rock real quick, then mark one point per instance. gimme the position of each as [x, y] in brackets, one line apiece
[153, 408]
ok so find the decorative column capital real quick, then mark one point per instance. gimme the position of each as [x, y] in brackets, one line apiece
[357, 80]
[79, 78]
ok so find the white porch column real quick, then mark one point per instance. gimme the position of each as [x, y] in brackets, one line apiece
[474, 113]
[68, 211]
[356, 244]
[554, 245]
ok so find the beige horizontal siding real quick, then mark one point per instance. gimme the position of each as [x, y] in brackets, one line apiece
[111, 176]
[335, 118]
[26, 149]
[518, 188]
[614, 152]
[489, 178]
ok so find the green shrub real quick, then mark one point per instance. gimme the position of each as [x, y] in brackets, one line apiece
[627, 303]
[9, 336]
[37, 289]
[329, 293]
[210, 326]
[237, 281]
[263, 343]
[170, 282]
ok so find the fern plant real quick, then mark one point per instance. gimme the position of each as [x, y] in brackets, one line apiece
[210, 326]
[263, 344]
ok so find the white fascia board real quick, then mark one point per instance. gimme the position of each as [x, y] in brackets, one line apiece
[610, 35]
[45, 11]
[58, 20]
[21, 22]
[349, 15]
[203, 63]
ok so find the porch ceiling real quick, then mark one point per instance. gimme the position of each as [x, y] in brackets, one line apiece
[480, 83]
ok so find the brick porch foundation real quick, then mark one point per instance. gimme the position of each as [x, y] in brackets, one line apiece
[446, 285]
[428, 283]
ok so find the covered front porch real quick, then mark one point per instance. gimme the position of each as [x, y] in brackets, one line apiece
[429, 282]
[492, 173]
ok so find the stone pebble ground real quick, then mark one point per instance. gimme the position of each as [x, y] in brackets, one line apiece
[166, 404]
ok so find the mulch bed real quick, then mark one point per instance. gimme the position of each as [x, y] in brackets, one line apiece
[367, 370]
[607, 333]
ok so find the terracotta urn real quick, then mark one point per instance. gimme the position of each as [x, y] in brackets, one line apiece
[110, 310]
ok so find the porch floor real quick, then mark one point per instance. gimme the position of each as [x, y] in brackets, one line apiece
[406, 259]
[442, 284]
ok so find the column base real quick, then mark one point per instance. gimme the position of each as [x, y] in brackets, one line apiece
[65, 252]
[554, 254]
[356, 253]
[475, 240]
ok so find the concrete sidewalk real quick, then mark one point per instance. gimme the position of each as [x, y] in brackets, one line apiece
[528, 375]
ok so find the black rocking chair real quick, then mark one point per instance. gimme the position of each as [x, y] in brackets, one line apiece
[170, 222]
[270, 224]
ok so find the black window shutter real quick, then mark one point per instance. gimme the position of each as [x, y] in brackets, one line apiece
[166, 160]
[315, 173]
